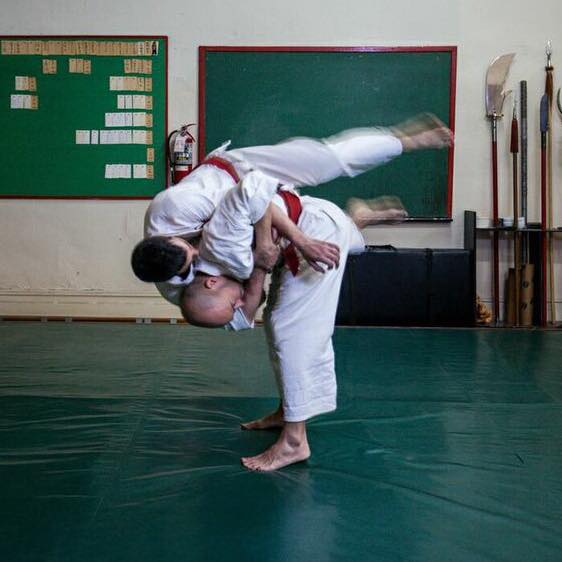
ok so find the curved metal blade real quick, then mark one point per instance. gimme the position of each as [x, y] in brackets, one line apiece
[495, 81]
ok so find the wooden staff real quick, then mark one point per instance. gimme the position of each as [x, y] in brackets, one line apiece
[544, 244]
[524, 169]
[527, 270]
[514, 149]
[548, 90]
[495, 219]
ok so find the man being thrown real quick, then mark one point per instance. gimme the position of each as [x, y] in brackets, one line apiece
[176, 215]
[300, 314]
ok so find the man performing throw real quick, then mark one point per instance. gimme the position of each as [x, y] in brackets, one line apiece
[300, 314]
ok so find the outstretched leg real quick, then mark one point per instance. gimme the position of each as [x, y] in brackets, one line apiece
[304, 161]
[290, 448]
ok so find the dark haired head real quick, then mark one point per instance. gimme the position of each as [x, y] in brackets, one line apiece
[157, 259]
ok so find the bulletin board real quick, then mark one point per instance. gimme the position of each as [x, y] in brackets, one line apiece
[83, 116]
[263, 95]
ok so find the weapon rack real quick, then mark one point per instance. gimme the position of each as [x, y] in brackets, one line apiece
[535, 233]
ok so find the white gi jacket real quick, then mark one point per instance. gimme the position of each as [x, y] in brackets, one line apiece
[226, 240]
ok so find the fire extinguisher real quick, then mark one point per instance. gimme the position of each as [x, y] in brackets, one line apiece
[180, 152]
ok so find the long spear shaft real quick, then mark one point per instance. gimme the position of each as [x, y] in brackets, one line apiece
[495, 217]
[544, 244]
[514, 149]
[524, 172]
[548, 90]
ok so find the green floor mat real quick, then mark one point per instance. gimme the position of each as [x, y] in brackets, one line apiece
[121, 442]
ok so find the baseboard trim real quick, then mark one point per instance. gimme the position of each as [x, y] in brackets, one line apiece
[125, 319]
[86, 305]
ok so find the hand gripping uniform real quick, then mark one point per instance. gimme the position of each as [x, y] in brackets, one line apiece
[300, 313]
[183, 209]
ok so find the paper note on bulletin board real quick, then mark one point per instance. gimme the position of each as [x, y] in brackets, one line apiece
[83, 116]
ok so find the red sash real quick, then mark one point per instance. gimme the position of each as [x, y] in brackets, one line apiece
[294, 209]
[222, 164]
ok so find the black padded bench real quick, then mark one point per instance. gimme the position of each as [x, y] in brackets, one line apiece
[385, 286]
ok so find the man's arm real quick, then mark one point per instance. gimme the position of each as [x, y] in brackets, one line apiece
[313, 251]
[266, 252]
[253, 293]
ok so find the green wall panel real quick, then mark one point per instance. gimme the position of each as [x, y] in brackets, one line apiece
[265, 96]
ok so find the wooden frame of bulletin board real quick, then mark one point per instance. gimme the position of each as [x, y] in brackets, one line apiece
[263, 95]
[83, 116]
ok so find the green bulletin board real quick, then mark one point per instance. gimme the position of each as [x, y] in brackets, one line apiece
[263, 95]
[83, 116]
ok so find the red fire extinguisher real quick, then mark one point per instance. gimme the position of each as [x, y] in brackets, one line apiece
[180, 152]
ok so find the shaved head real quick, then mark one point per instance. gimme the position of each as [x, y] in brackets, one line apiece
[209, 302]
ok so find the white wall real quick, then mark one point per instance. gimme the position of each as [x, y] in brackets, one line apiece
[71, 258]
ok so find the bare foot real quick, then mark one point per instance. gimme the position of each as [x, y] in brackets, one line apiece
[291, 447]
[370, 212]
[271, 421]
[422, 132]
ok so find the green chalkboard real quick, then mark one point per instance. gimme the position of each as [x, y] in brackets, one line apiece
[262, 96]
[83, 116]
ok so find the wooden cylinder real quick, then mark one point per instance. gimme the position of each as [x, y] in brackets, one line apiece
[510, 298]
[526, 295]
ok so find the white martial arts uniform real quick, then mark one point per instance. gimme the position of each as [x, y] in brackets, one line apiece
[183, 209]
[300, 314]
[226, 240]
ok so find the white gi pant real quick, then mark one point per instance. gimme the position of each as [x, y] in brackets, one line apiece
[303, 161]
[300, 316]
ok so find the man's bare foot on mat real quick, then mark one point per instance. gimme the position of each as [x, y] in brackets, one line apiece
[291, 447]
